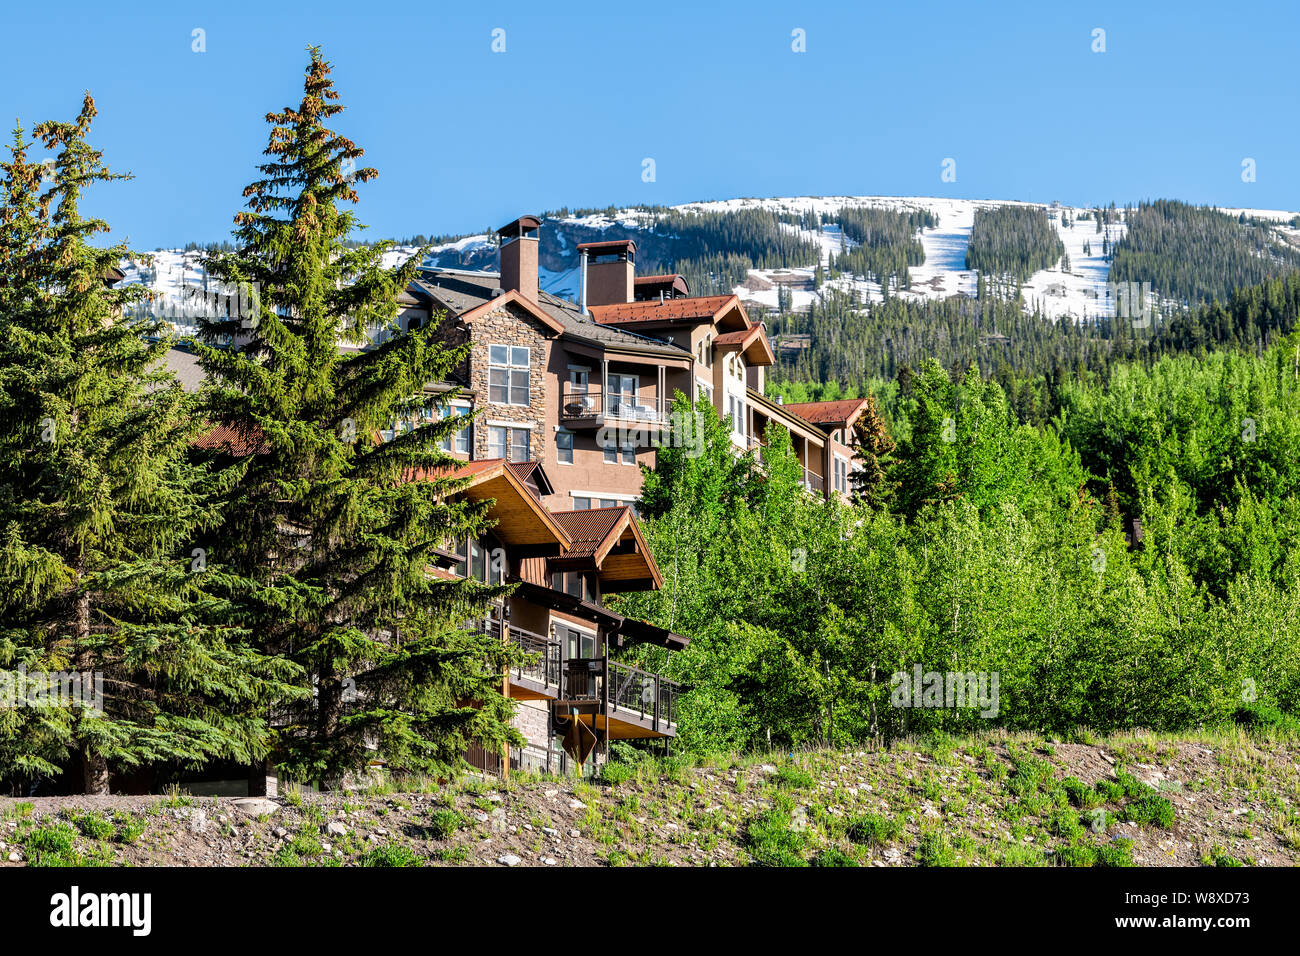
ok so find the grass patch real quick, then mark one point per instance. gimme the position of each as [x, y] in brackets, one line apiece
[393, 854]
[771, 841]
[871, 829]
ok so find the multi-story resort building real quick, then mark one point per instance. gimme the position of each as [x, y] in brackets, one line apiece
[563, 401]
[587, 388]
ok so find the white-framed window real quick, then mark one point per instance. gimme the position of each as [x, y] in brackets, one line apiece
[622, 392]
[564, 447]
[736, 409]
[508, 374]
[841, 474]
[586, 502]
[579, 377]
[509, 443]
[460, 442]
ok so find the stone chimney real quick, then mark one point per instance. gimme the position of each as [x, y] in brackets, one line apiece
[519, 256]
[611, 271]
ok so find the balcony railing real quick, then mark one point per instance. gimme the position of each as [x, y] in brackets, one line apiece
[588, 402]
[650, 697]
[811, 481]
[543, 665]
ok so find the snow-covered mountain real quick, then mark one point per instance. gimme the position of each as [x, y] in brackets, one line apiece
[1081, 292]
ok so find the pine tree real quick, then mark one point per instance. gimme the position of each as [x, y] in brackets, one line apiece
[98, 507]
[873, 446]
[324, 516]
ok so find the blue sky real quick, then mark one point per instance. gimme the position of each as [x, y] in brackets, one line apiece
[465, 138]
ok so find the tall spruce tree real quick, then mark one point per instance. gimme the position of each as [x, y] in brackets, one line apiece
[873, 448]
[324, 515]
[98, 505]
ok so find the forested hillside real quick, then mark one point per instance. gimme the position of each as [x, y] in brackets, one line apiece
[1195, 254]
[853, 344]
[886, 243]
[1013, 240]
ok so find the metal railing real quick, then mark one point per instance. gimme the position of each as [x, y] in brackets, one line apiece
[543, 665]
[582, 678]
[650, 696]
[581, 402]
[631, 690]
[811, 481]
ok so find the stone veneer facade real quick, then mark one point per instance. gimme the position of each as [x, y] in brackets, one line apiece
[510, 326]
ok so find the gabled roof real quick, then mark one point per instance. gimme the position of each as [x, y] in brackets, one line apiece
[595, 532]
[691, 309]
[622, 630]
[471, 295]
[837, 414]
[521, 518]
[527, 304]
[532, 474]
[462, 293]
[791, 421]
[752, 343]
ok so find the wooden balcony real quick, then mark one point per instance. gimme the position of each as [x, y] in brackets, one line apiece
[640, 704]
[588, 407]
[631, 702]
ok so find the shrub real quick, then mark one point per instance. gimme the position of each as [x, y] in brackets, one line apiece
[873, 830]
[443, 823]
[1065, 824]
[1261, 715]
[1151, 810]
[51, 845]
[306, 844]
[615, 774]
[793, 778]
[129, 827]
[91, 825]
[934, 850]
[1116, 853]
[1080, 794]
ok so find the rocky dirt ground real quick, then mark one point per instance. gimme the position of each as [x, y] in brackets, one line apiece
[1223, 799]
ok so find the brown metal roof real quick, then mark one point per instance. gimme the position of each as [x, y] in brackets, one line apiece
[590, 528]
[694, 307]
[233, 441]
[524, 222]
[840, 412]
[461, 292]
[608, 245]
